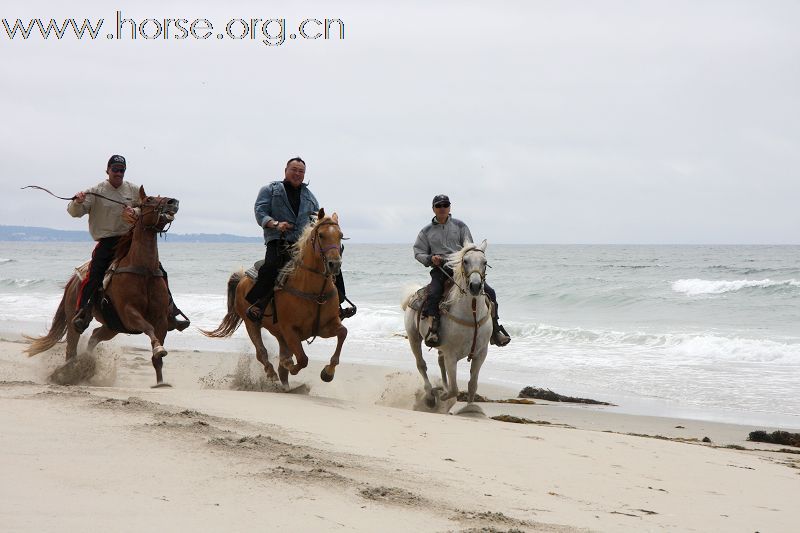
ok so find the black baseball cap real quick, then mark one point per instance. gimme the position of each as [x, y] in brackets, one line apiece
[440, 198]
[116, 160]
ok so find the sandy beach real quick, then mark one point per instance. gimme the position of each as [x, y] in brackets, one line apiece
[221, 450]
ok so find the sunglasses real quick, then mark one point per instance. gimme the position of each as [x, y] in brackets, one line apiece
[118, 169]
[439, 206]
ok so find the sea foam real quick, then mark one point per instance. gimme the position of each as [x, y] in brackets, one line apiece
[695, 287]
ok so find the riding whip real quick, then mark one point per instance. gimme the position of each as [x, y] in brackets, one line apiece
[72, 198]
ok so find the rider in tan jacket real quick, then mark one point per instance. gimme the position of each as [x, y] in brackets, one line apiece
[106, 225]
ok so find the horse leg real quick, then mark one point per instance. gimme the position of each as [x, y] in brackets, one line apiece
[474, 369]
[254, 332]
[295, 346]
[327, 372]
[72, 342]
[442, 369]
[415, 340]
[99, 335]
[450, 364]
[134, 320]
[285, 355]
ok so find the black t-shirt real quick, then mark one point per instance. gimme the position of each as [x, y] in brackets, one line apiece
[294, 196]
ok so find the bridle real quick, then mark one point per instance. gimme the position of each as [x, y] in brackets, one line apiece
[163, 210]
[467, 274]
[322, 250]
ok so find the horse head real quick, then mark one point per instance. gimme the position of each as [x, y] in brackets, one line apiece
[326, 241]
[469, 267]
[157, 212]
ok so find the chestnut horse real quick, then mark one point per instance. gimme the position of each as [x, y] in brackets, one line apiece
[137, 289]
[306, 302]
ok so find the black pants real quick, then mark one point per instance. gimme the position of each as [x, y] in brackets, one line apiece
[102, 256]
[277, 255]
[436, 291]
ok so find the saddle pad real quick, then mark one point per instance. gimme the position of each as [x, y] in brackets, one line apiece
[418, 300]
[83, 271]
[252, 272]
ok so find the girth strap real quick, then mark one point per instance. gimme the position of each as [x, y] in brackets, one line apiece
[319, 299]
[142, 271]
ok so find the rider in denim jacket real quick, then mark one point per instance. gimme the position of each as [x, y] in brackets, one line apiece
[283, 209]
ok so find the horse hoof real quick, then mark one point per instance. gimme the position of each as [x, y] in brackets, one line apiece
[162, 385]
[325, 376]
[430, 401]
[159, 351]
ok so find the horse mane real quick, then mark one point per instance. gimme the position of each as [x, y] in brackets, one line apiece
[454, 261]
[297, 251]
[123, 245]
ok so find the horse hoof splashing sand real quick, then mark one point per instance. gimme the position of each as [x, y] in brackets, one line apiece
[139, 292]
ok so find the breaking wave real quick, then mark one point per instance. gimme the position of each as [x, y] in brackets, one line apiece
[695, 287]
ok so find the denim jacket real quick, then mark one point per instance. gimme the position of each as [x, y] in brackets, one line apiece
[273, 204]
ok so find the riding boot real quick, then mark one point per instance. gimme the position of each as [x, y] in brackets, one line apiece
[83, 317]
[256, 311]
[173, 322]
[500, 336]
[432, 338]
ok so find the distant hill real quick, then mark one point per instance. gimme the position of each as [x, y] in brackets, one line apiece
[33, 234]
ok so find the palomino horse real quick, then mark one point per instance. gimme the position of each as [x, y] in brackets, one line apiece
[307, 304]
[465, 329]
[137, 289]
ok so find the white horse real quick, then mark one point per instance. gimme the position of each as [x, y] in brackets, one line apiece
[464, 331]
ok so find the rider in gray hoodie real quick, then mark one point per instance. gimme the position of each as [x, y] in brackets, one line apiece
[443, 236]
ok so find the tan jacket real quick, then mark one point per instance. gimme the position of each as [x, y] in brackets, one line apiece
[105, 218]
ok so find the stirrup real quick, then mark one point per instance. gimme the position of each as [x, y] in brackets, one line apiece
[255, 312]
[81, 320]
[432, 339]
[346, 312]
[500, 336]
[179, 325]
[173, 322]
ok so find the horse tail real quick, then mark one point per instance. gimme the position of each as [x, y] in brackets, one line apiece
[232, 320]
[57, 329]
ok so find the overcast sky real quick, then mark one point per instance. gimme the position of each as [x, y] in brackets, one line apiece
[545, 121]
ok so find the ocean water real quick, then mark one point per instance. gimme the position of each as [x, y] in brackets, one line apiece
[709, 332]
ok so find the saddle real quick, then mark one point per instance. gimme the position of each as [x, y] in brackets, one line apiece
[252, 272]
[103, 303]
[419, 301]
[83, 271]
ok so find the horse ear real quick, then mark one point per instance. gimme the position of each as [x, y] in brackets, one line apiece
[483, 245]
[335, 218]
[321, 213]
[142, 194]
